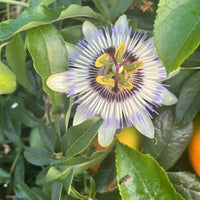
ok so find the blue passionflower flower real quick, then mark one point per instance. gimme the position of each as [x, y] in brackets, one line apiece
[114, 73]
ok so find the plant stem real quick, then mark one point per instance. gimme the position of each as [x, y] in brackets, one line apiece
[198, 67]
[17, 3]
[57, 126]
[15, 161]
[8, 11]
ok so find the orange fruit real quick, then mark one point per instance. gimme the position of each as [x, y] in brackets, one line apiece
[194, 146]
[131, 137]
[97, 146]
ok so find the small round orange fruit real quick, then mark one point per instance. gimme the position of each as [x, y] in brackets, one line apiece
[194, 146]
[131, 137]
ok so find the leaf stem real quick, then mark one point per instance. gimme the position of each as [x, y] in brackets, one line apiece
[17, 3]
[15, 161]
[198, 67]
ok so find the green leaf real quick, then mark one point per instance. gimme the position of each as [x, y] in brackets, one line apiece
[58, 174]
[112, 9]
[188, 104]
[38, 156]
[172, 139]
[81, 163]
[186, 183]
[72, 34]
[141, 177]
[41, 177]
[7, 80]
[16, 56]
[23, 192]
[41, 15]
[35, 138]
[176, 31]
[45, 43]
[4, 176]
[68, 181]
[78, 138]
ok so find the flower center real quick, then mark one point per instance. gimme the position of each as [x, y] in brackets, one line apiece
[117, 68]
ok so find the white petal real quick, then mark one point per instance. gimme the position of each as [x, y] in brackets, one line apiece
[58, 82]
[121, 21]
[79, 117]
[169, 98]
[71, 48]
[88, 29]
[106, 134]
[147, 127]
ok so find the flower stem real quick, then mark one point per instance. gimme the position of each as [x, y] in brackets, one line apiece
[8, 11]
[17, 3]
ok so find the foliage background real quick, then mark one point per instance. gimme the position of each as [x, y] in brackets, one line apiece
[39, 159]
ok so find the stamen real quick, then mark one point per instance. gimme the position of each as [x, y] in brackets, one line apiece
[134, 67]
[105, 80]
[120, 52]
[100, 61]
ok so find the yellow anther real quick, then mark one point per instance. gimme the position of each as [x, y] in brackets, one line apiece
[105, 81]
[134, 67]
[121, 49]
[100, 60]
[126, 85]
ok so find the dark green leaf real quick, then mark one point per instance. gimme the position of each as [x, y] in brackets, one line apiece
[143, 178]
[176, 31]
[188, 104]
[56, 190]
[23, 192]
[45, 43]
[106, 179]
[78, 138]
[172, 139]
[4, 176]
[40, 194]
[38, 156]
[186, 183]
[16, 56]
[41, 15]
[144, 20]
[112, 9]
[177, 81]
[48, 136]
[193, 60]
[19, 171]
